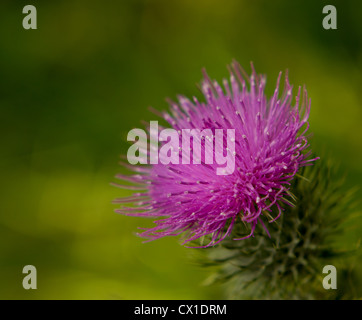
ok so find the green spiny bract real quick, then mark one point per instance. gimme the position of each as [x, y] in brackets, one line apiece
[289, 264]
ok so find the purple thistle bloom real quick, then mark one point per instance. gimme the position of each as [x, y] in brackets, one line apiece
[270, 146]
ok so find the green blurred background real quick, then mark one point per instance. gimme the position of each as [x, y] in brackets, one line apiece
[72, 89]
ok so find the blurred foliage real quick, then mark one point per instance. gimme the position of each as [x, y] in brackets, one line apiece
[72, 89]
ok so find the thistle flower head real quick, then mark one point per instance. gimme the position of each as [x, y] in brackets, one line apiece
[270, 148]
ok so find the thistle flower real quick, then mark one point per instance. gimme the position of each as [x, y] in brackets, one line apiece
[270, 147]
